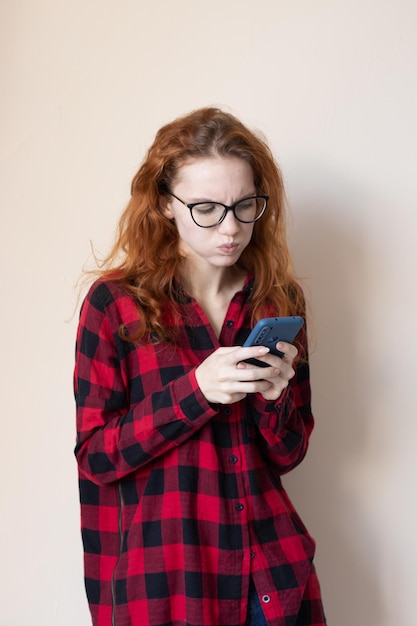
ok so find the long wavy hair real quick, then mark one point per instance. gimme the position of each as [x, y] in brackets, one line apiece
[146, 257]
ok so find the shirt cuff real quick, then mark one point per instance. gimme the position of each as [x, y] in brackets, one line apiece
[272, 406]
[193, 405]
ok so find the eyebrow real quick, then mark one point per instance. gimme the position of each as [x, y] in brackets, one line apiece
[251, 194]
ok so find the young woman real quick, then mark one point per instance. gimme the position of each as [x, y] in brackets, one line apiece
[181, 444]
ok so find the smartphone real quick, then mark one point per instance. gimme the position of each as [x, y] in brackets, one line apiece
[269, 331]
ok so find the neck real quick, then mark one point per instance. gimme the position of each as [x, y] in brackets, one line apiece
[213, 290]
[210, 281]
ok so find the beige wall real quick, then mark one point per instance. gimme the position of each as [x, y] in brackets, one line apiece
[85, 84]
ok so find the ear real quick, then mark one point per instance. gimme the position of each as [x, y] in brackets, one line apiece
[165, 206]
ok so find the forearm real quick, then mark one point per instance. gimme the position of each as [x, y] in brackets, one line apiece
[113, 444]
[284, 427]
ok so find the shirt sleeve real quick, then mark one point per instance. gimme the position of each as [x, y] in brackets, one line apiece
[115, 435]
[285, 425]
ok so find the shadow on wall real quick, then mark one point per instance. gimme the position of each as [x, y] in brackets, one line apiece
[330, 242]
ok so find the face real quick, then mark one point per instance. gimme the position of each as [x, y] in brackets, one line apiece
[219, 179]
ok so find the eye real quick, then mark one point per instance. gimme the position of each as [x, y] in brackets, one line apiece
[249, 204]
[206, 208]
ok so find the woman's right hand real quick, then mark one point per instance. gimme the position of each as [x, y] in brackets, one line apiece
[222, 381]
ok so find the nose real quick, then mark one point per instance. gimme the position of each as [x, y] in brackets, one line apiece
[229, 225]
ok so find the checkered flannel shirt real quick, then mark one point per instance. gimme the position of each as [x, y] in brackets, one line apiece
[181, 500]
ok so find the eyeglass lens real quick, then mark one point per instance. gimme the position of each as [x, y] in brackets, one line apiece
[208, 214]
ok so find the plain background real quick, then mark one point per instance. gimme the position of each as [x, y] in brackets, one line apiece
[332, 85]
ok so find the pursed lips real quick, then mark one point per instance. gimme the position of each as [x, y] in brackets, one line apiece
[228, 247]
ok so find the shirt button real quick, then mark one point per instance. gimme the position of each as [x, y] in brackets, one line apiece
[230, 323]
[233, 459]
[252, 555]
[239, 507]
[266, 599]
[227, 411]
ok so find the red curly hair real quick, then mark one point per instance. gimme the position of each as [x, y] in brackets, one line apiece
[145, 256]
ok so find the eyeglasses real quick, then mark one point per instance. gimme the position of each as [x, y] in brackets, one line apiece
[209, 214]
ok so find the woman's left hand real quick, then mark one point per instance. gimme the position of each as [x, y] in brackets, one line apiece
[281, 371]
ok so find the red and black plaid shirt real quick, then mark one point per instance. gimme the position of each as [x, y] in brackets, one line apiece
[181, 500]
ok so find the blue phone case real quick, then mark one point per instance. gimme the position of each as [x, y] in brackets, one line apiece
[269, 331]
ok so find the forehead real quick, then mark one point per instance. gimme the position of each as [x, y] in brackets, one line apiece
[215, 171]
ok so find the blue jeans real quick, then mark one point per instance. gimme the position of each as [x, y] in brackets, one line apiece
[255, 616]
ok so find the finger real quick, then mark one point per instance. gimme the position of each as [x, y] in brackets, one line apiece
[288, 350]
[253, 381]
[279, 368]
[242, 354]
[255, 373]
[245, 387]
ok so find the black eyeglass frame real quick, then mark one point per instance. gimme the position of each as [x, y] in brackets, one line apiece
[227, 208]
